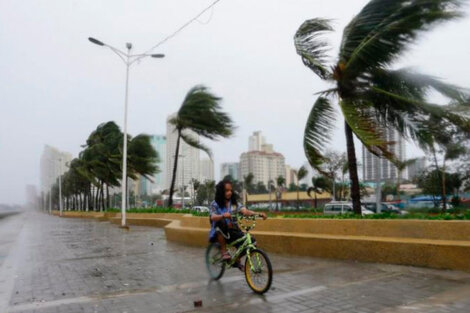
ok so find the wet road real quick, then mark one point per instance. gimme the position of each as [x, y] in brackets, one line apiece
[50, 264]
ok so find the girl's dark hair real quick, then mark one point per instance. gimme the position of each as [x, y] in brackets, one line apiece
[220, 193]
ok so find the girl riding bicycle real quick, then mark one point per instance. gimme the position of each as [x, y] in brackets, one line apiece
[224, 229]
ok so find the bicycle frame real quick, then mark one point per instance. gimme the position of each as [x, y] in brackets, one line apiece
[247, 246]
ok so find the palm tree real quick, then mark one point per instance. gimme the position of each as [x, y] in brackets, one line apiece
[248, 182]
[271, 186]
[301, 173]
[280, 180]
[372, 96]
[319, 184]
[200, 113]
[401, 166]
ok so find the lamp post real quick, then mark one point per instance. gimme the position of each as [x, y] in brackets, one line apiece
[128, 59]
[60, 186]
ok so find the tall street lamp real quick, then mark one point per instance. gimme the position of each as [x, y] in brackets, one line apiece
[60, 187]
[128, 59]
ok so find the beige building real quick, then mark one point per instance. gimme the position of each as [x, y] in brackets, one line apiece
[291, 176]
[265, 165]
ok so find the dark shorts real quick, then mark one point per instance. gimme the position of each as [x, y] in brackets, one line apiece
[230, 234]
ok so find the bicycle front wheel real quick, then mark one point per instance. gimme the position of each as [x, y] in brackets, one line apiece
[258, 271]
[214, 263]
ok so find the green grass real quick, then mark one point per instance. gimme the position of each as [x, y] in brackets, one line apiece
[422, 214]
[150, 210]
[386, 216]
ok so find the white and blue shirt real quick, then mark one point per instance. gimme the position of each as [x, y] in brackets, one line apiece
[216, 209]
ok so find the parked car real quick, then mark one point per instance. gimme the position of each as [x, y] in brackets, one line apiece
[200, 209]
[342, 207]
[385, 208]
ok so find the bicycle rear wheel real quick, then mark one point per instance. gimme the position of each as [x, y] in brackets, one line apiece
[258, 271]
[214, 263]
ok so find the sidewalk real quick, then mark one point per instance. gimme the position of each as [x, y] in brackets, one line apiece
[78, 265]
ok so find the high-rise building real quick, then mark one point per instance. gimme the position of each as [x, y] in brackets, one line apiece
[417, 168]
[188, 160]
[264, 164]
[53, 163]
[158, 142]
[206, 170]
[387, 170]
[256, 141]
[232, 169]
[291, 176]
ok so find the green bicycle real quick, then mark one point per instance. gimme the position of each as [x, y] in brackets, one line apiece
[258, 269]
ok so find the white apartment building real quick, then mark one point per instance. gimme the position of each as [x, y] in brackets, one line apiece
[53, 163]
[387, 170]
[206, 170]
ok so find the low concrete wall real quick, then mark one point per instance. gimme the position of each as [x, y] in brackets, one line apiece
[435, 244]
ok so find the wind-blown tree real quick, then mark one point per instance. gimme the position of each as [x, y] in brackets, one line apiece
[280, 181]
[99, 164]
[301, 173]
[142, 158]
[249, 184]
[344, 170]
[195, 186]
[334, 162]
[370, 94]
[450, 144]
[401, 166]
[102, 159]
[261, 188]
[319, 185]
[200, 113]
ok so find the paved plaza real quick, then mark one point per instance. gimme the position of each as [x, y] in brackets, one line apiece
[50, 264]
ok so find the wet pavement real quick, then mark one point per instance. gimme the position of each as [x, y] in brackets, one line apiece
[50, 264]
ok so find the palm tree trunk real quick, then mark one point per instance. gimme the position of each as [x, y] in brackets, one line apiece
[102, 196]
[97, 198]
[108, 200]
[175, 166]
[398, 187]
[334, 187]
[88, 198]
[444, 192]
[441, 178]
[355, 190]
[316, 200]
[298, 198]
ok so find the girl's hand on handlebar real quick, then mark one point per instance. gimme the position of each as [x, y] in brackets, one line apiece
[227, 215]
[263, 215]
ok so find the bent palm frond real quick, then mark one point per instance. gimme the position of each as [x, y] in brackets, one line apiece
[318, 129]
[193, 142]
[384, 29]
[311, 47]
[361, 117]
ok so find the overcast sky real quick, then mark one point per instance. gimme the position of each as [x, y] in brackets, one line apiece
[56, 87]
